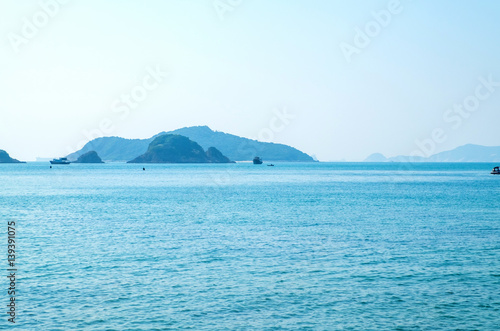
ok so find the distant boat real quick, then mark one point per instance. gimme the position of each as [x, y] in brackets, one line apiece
[270, 165]
[61, 160]
[257, 160]
[496, 171]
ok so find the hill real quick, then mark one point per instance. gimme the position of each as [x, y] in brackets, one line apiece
[5, 158]
[89, 157]
[172, 148]
[465, 153]
[242, 149]
[234, 147]
[114, 148]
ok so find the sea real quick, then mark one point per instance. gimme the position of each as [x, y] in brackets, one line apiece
[297, 246]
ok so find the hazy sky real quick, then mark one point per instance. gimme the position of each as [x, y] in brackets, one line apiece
[337, 79]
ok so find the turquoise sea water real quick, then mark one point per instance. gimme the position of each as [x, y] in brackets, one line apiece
[323, 246]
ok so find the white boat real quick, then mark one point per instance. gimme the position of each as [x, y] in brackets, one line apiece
[61, 160]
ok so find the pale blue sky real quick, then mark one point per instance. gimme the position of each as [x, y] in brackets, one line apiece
[232, 74]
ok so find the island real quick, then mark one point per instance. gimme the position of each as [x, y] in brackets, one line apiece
[5, 158]
[174, 148]
[117, 149]
[89, 157]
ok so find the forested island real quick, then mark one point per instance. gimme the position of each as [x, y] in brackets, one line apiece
[172, 148]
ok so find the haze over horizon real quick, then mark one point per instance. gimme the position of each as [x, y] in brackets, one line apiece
[338, 80]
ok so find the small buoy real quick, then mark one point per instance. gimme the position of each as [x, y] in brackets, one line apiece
[143, 168]
[50, 167]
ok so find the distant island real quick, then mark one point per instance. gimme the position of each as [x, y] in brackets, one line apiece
[5, 158]
[234, 147]
[173, 148]
[465, 153]
[89, 157]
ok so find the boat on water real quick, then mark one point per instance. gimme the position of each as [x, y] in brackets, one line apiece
[257, 160]
[270, 165]
[61, 160]
[496, 171]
